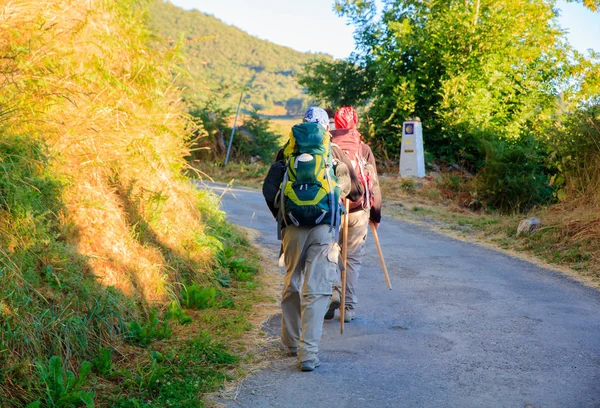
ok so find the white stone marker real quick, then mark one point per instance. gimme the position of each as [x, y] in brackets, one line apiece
[412, 157]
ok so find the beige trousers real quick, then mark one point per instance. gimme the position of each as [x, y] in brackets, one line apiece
[358, 226]
[311, 268]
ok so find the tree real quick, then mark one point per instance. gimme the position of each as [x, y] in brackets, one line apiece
[467, 68]
[338, 83]
[295, 106]
[211, 120]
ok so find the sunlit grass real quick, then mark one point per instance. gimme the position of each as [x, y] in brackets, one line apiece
[98, 226]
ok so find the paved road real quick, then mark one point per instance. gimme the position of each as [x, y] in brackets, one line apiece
[464, 326]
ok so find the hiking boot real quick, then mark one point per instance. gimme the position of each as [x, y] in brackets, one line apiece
[292, 352]
[349, 315]
[333, 304]
[310, 365]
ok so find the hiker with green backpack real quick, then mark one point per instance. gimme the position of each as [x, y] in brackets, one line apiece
[303, 190]
[364, 211]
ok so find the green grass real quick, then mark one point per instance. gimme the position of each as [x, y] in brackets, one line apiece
[182, 353]
[178, 376]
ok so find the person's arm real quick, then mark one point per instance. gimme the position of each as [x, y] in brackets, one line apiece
[375, 215]
[272, 183]
[356, 188]
[279, 156]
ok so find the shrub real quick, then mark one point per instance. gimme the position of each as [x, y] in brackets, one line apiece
[211, 120]
[408, 185]
[514, 177]
[575, 153]
[259, 140]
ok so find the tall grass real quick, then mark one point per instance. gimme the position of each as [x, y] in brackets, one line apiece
[97, 224]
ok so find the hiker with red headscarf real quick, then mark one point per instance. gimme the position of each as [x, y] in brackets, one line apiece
[362, 212]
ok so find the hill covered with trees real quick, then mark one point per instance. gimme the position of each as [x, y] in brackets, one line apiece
[221, 59]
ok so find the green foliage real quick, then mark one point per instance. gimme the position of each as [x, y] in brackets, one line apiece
[103, 362]
[593, 5]
[211, 119]
[474, 72]
[237, 267]
[575, 152]
[255, 139]
[27, 186]
[515, 176]
[145, 333]
[179, 376]
[175, 312]
[194, 296]
[338, 83]
[296, 106]
[408, 185]
[62, 388]
[453, 182]
[453, 64]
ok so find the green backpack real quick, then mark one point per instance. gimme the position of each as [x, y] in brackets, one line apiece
[310, 194]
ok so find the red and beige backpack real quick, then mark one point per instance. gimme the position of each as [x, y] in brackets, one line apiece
[349, 141]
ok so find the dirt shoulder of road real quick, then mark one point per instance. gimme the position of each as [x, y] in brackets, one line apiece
[460, 232]
[554, 246]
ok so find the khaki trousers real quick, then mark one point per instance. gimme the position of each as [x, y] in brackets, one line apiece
[311, 268]
[358, 226]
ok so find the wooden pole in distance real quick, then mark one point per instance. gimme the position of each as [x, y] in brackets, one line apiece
[344, 264]
[385, 272]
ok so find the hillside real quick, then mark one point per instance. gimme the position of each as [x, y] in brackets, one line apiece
[222, 58]
[107, 252]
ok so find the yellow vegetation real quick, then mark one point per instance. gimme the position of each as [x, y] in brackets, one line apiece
[78, 76]
[97, 222]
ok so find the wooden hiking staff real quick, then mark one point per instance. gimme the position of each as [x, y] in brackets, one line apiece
[344, 264]
[385, 272]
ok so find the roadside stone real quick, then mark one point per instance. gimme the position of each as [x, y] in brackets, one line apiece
[435, 175]
[528, 226]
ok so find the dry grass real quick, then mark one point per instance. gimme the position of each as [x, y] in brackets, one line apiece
[84, 82]
[282, 126]
[246, 175]
[92, 112]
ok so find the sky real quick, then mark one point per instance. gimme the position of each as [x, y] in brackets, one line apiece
[311, 25]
